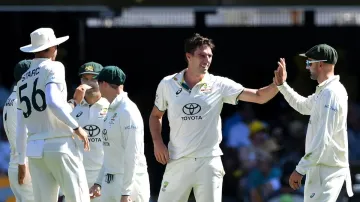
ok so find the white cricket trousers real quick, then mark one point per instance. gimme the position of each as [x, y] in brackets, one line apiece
[111, 192]
[61, 166]
[324, 183]
[24, 192]
[204, 175]
[91, 177]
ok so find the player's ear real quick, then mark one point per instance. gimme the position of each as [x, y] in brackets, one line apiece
[188, 56]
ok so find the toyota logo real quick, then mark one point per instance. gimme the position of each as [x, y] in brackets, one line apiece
[191, 109]
[92, 130]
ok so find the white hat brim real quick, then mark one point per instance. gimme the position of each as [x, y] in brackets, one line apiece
[33, 49]
[302, 55]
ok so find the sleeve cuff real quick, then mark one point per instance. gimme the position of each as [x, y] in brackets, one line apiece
[99, 181]
[159, 108]
[283, 86]
[301, 171]
[126, 192]
[22, 159]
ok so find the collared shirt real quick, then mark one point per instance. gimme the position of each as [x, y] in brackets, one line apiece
[38, 117]
[326, 136]
[123, 140]
[9, 120]
[194, 114]
[91, 118]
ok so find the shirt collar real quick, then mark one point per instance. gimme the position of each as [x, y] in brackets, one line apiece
[118, 100]
[179, 78]
[329, 80]
[41, 59]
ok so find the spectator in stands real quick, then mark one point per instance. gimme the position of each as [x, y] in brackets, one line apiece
[236, 130]
[354, 132]
[258, 135]
[264, 179]
[4, 154]
[286, 193]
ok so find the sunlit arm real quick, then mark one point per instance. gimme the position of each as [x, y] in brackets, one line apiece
[155, 123]
[260, 96]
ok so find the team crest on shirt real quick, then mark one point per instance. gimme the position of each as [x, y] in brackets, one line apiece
[103, 112]
[205, 88]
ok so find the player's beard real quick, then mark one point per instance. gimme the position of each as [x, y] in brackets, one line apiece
[313, 75]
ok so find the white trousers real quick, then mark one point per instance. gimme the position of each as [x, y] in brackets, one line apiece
[204, 175]
[91, 176]
[324, 183]
[60, 166]
[24, 192]
[110, 192]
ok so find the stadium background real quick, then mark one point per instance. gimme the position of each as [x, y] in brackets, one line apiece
[146, 39]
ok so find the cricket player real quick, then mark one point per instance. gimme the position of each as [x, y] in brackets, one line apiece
[54, 156]
[325, 162]
[90, 111]
[124, 176]
[194, 99]
[24, 192]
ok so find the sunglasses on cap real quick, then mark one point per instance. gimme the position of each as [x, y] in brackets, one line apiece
[309, 62]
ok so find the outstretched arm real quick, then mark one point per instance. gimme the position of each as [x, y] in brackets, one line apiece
[301, 104]
[260, 96]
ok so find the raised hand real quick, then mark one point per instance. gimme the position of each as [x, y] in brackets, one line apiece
[280, 73]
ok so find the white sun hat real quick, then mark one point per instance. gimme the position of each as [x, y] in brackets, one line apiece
[42, 39]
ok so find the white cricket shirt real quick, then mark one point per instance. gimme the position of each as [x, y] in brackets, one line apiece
[194, 115]
[326, 136]
[123, 141]
[9, 120]
[38, 118]
[91, 119]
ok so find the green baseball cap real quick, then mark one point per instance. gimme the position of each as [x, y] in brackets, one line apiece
[20, 68]
[112, 75]
[322, 52]
[90, 68]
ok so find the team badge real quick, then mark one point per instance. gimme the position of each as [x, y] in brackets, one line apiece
[89, 68]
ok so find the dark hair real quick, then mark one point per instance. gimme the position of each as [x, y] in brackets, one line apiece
[192, 43]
